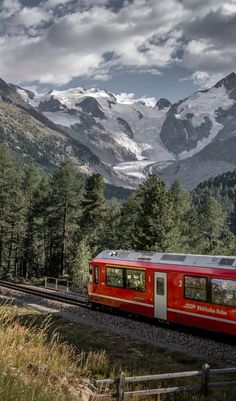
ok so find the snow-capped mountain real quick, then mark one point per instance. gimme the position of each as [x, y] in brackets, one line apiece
[193, 139]
[123, 135]
[201, 131]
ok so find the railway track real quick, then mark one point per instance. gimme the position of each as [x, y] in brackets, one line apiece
[82, 301]
[40, 292]
[178, 339]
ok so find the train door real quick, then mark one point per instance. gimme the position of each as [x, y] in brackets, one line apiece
[96, 279]
[160, 297]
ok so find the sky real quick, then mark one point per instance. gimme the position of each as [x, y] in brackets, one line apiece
[140, 48]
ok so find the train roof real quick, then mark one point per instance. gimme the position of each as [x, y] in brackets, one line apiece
[217, 262]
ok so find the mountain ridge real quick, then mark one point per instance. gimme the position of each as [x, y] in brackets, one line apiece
[193, 139]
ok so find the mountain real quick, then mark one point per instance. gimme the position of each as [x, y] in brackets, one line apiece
[32, 137]
[123, 137]
[124, 140]
[201, 131]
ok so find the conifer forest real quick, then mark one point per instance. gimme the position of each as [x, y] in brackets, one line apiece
[52, 225]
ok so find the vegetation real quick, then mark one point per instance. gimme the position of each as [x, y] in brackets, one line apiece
[33, 142]
[52, 225]
[223, 188]
[49, 359]
[35, 365]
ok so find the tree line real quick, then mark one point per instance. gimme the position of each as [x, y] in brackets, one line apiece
[223, 188]
[52, 225]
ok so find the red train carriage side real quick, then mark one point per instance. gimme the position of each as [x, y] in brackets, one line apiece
[193, 290]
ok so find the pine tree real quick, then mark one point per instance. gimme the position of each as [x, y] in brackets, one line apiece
[10, 208]
[41, 212]
[91, 221]
[154, 226]
[110, 233]
[79, 270]
[17, 230]
[64, 208]
[128, 217]
[31, 181]
[185, 218]
[213, 227]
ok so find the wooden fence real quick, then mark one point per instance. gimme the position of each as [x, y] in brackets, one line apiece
[63, 284]
[57, 283]
[121, 391]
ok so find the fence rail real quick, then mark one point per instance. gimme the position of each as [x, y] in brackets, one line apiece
[57, 283]
[63, 284]
[122, 381]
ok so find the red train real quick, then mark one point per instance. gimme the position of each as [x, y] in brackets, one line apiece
[193, 290]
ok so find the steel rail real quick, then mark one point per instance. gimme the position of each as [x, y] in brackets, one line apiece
[45, 293]
[75, 301]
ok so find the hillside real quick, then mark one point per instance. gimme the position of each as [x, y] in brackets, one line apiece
[31, 141]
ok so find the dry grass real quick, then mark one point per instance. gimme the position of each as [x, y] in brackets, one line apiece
[20, 345]
[25, 348]
[26, 337]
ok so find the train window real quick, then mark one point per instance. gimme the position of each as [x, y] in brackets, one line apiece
[223, 292]
[135, 279]
[90, 273]
[195, 288]
[96, 275]
[115, 277]
[160, 287]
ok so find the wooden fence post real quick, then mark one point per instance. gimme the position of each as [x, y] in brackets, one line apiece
[56, 284]
[46, 282]
[205, 379]
[120, 383]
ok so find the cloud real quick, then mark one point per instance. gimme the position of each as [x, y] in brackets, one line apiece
[130, 98]
[32, 16]
[75, 44]
[210, 50]
[58, 40]
[202, 79]
[125, 98]
[8, 8]
[200, 8]
[219, 27]
[54, 3]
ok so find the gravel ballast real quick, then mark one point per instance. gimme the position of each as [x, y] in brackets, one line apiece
[158, 335]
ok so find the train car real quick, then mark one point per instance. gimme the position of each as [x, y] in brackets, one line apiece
[193, 290]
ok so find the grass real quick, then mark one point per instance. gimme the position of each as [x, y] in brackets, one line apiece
[137, 358]
[36, 366]
[13, 388]
[70, 351]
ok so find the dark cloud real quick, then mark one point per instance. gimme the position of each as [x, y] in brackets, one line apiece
[202, 6]
[116, 5]
[216, 26]
[212, 61]
[31, 3]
